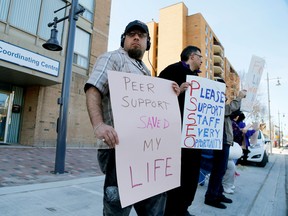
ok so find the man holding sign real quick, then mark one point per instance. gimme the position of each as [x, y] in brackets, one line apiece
[134, 41]
[179, 199]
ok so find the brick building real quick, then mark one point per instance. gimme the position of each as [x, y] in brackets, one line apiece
[176, 30]
[31, 76]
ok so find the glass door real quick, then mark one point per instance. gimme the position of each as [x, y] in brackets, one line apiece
[5, 112]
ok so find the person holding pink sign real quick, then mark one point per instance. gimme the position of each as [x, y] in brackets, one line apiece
[180, 198]
[134, 42]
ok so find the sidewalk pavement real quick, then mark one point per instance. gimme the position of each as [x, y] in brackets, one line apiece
[259, 191]
[29, 165]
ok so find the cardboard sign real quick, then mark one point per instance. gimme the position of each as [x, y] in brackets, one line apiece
[203, 117]
[252, 83]
[148, 123]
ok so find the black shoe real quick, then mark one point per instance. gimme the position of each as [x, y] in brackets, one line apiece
[215, 204]
[225, 199]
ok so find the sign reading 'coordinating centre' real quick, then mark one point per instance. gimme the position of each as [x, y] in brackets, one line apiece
[26, 58]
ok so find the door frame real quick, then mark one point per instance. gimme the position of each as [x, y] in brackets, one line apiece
[9, 112]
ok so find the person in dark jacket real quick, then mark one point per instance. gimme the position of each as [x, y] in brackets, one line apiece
[214, 195]
[180, 198]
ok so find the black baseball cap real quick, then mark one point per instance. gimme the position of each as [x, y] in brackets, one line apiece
[136, 24]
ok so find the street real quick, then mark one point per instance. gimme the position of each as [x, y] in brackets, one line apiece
[259, 191]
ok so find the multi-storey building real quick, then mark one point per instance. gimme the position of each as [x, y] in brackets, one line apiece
[31, 76]
[176, 30]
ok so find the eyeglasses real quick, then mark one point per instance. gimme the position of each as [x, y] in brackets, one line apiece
[140, 34]
[200, 56]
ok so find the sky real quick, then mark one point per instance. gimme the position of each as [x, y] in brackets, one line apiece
[244, 28]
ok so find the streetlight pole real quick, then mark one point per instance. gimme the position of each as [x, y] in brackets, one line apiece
[269, 110]
[63, 101]
[65, 94]
[281, 127]
[269, 114]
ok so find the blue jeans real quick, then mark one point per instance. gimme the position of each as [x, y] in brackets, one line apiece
[153, 206]
[220, 159]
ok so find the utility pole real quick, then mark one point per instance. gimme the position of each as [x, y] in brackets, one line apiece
[63, 101]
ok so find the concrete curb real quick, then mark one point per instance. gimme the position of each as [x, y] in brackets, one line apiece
[44, 186]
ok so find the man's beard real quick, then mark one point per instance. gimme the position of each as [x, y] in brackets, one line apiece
[135, 53]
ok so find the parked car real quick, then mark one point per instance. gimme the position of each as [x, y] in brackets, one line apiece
[258, 152]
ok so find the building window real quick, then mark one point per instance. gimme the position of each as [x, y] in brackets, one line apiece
[33, 16]
[206, 64]
[25, 15]
[4, 8]
[206, 40]
[206, 29]
[89, 8]
[207, 52]
[81, 48]
[47, 16]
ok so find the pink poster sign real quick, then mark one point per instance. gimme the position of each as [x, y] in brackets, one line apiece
[147, 120]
